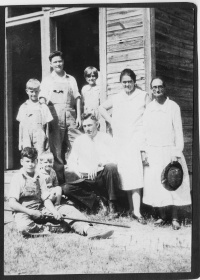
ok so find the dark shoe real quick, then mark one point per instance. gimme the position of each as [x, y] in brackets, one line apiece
[43, 231]
[159, 223]
[58, 228]
[140, 219]
[112, 210]
[93, 233]
[175, 224]
[102, 206]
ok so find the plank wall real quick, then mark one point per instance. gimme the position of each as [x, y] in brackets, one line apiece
[125, 46]
[174, 43]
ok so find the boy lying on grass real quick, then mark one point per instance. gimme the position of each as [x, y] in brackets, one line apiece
[29, 198]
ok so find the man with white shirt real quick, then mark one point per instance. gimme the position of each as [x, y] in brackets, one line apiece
[92, 160]
[60, 92]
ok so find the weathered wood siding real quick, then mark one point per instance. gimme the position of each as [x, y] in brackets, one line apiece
[125, 46]
[174, 40]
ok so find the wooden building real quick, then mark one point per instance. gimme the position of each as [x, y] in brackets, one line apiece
[149, 40]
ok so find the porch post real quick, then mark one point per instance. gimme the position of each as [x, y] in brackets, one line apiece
[8, 136]
[149, 46]
[102, 53]
[103, 58]
[48, 40]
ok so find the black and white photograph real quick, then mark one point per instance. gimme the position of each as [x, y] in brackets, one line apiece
[101, 153]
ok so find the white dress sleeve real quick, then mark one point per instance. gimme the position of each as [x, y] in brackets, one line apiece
[178, 131]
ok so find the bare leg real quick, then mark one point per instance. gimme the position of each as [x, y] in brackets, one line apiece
[136, 198]
[58, 195]
[130, 201]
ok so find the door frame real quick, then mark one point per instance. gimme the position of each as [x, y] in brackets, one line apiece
[49, 42]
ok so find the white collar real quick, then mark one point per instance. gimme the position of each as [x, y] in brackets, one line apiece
[54, 75]
[34, 178]
[160, 107]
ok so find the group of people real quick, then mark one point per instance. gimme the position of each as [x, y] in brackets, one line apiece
[91, 165]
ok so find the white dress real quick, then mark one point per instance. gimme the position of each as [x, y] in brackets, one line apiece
[127, 135]
[164, 138]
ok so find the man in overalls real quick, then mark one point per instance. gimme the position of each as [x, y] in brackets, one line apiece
[60, 92]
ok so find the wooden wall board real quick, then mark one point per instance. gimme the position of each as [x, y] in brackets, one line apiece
[125, 44]
[169, 18]
[126, 23]
[174, 31]
[178, 74]
[175, 60]
[121, 13]
[179, 13]
[129, 33]
[125, 55]
[136, 64]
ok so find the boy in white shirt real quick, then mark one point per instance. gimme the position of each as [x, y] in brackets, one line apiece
[30, 200]
[33, 118]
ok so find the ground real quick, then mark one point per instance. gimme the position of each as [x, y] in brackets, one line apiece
[138, 249]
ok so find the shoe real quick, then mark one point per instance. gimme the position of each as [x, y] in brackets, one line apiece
[58, 228]
[93, 233]
[111, 207]
[102, 206]
[140, 219]
[112, 210]
[175, 224]
[159, 223]
[43, 231]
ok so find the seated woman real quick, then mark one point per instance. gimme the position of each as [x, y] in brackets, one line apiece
[163, 132]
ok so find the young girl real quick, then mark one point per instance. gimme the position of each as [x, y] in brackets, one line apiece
[91, 92]
[46, 160]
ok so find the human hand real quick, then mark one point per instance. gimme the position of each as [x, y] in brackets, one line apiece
[174, 158]
[35, 214]
[42, 100]
[144, 159]
[57, 215]
[46, 143]
[93, 173]
[78, 122]
[57, 203]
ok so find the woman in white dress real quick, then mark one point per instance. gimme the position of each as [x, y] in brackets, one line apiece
[163, 132]
[126, 122]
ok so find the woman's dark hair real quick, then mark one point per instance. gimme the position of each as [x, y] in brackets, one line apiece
[55, 53]
[128, 72]
[29, 153]
[160, 78]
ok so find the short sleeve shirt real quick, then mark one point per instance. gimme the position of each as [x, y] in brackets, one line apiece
[47, 84]
[91, 98]
[28, 108]
[50, 178]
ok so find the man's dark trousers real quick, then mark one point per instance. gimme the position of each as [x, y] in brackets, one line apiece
[106, 185]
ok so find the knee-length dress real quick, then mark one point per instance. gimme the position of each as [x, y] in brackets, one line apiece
[127, 135]
[164, 138]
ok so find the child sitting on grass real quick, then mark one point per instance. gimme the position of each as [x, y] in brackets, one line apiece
[46, 171]
[29, 198]
[33, 118]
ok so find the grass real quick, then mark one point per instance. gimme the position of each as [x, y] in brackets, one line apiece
[140, 249]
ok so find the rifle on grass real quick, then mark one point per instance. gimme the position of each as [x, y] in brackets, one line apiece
[64, 217]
